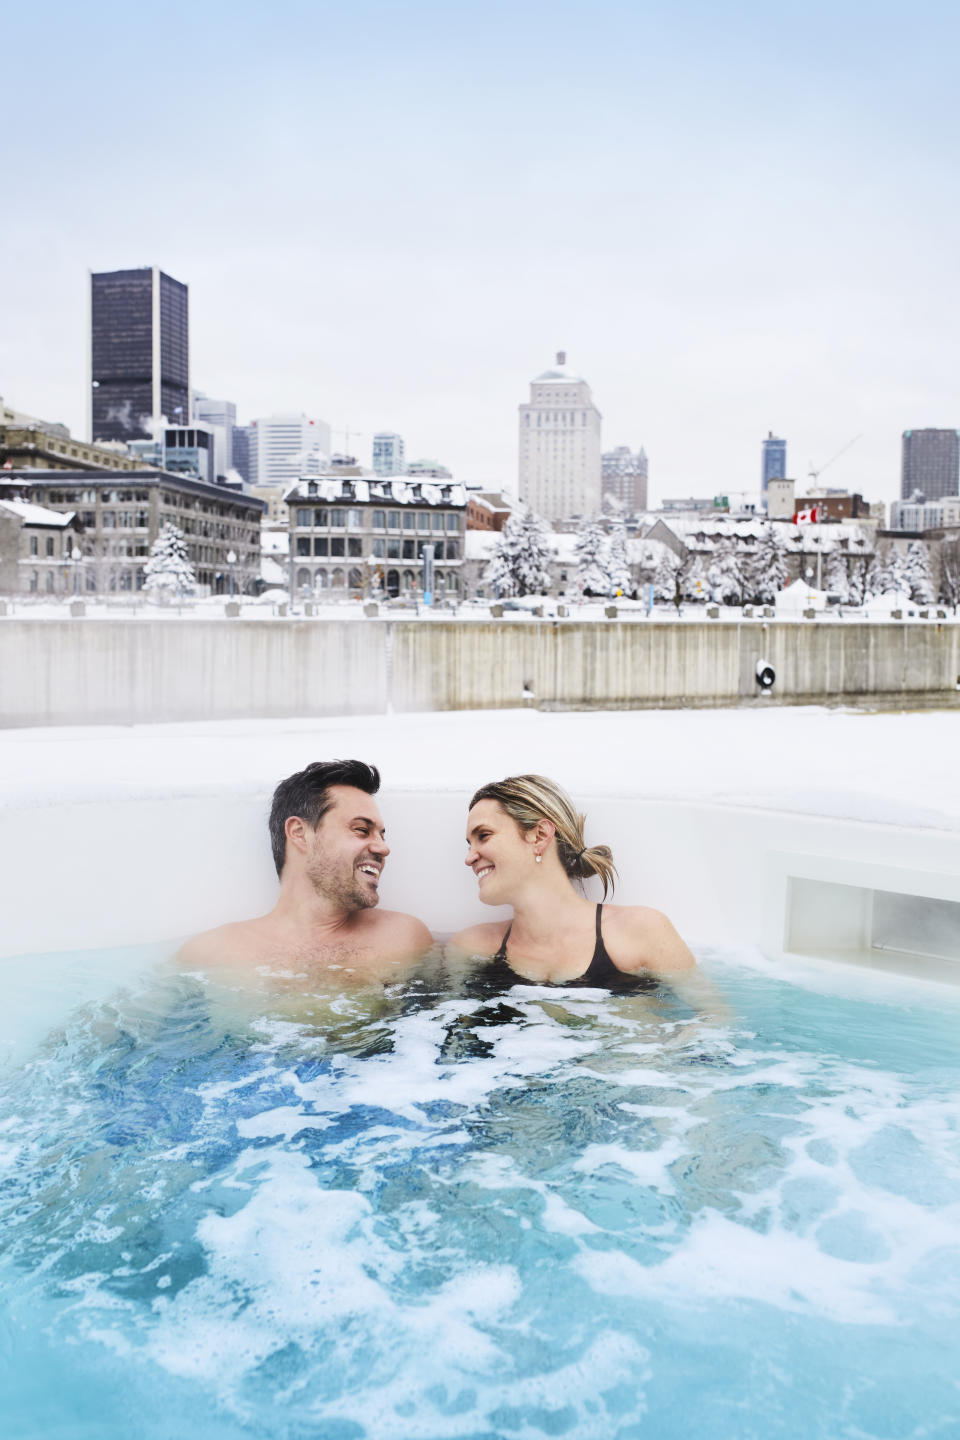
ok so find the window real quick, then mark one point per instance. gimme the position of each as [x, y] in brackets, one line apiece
[319, 518]
[453, 550]
[34, 545]
[409, 520]
[337, 546]
[409, 549]
[438, 522]
[88, 517]
[337, 519]
[303, 544]
[354, 546]
[379, 519]
[393, 549]
[355, 579]
[453, 522]
[393, 520]
[303, 517]
[423, 520]
[355, 519]
[108, 519]
[321, 545]
[379, 549]
[143, 519]
[337, 578]
[49, 580]
[49, 551]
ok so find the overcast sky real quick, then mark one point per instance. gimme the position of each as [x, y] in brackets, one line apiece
[735, 218]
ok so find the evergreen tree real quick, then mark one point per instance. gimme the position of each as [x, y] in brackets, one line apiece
[617, 559]
[918, 579]
[768, 569]
[857, 578]
[666, 575]
[949, 588]
[898, 570]
[835, 577]
[693, 579]
[521, 561]
[879, 577]
[168, 574]
[590, 549]
[725, 574]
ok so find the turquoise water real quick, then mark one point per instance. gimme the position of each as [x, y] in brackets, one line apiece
[539, 1214]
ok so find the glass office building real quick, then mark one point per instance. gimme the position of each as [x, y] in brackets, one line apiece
[774, 465]
[931, 464]
[139, 352]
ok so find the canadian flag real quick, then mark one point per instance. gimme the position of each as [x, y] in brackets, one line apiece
[806, 517]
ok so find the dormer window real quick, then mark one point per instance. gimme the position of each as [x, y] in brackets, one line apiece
[311, 487]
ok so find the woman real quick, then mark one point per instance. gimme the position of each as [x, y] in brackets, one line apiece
[526, 846]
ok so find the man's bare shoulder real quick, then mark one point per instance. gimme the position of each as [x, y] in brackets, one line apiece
[403, 933]
[481, 939]
[240, 939]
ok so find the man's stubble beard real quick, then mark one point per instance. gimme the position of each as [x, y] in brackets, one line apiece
[344, 890]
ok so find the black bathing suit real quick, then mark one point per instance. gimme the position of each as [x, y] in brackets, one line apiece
[600, 974]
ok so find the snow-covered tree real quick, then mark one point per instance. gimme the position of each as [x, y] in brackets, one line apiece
[693, 579]
[616, 558]
[590, 549]
[857, 578]
[949, 589]
[887, 573]
[666, 575]
[521, 561]
[768, 568]
[835, 577]
[725, 574]
[918, 579]
[168, 574]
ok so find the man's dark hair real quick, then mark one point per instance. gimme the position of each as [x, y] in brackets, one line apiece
[307, 795]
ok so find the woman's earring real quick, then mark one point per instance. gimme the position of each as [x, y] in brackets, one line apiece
[538, 858]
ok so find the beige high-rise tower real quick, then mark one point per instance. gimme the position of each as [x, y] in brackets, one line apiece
[560, 469]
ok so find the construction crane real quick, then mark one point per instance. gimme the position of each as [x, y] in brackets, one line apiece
[814, 475]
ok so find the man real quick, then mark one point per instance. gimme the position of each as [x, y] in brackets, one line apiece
[329, 848]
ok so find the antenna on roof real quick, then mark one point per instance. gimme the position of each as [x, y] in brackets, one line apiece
[561, 357]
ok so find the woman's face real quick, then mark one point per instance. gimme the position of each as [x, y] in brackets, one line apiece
[498, 852]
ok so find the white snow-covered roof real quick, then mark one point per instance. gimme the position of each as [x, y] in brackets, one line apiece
[707, 532]
[274, 542]
[392, 490]
[560, 374]
[38, 514]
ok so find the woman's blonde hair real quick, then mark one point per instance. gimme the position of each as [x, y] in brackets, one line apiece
[528, 799]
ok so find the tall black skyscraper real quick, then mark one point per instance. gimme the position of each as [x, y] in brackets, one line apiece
[931, 463]
[139, 352]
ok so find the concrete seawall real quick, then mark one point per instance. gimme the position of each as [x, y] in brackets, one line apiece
[125, 672]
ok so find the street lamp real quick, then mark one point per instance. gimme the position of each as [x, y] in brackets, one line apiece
[76, 557]
[231, 561]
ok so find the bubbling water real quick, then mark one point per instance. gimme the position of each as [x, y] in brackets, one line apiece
[542, 1213]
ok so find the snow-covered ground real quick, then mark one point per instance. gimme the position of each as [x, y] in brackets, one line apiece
[897, 768]
[268, 607]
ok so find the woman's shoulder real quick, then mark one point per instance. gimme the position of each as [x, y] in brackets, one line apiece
[479, 939]
[637, 937]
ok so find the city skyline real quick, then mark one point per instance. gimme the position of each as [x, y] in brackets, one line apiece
[507, 190]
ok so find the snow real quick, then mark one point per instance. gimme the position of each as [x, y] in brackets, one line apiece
[38, 514]
[731, 758]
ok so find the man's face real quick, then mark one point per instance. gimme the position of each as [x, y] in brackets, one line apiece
[347, 851]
